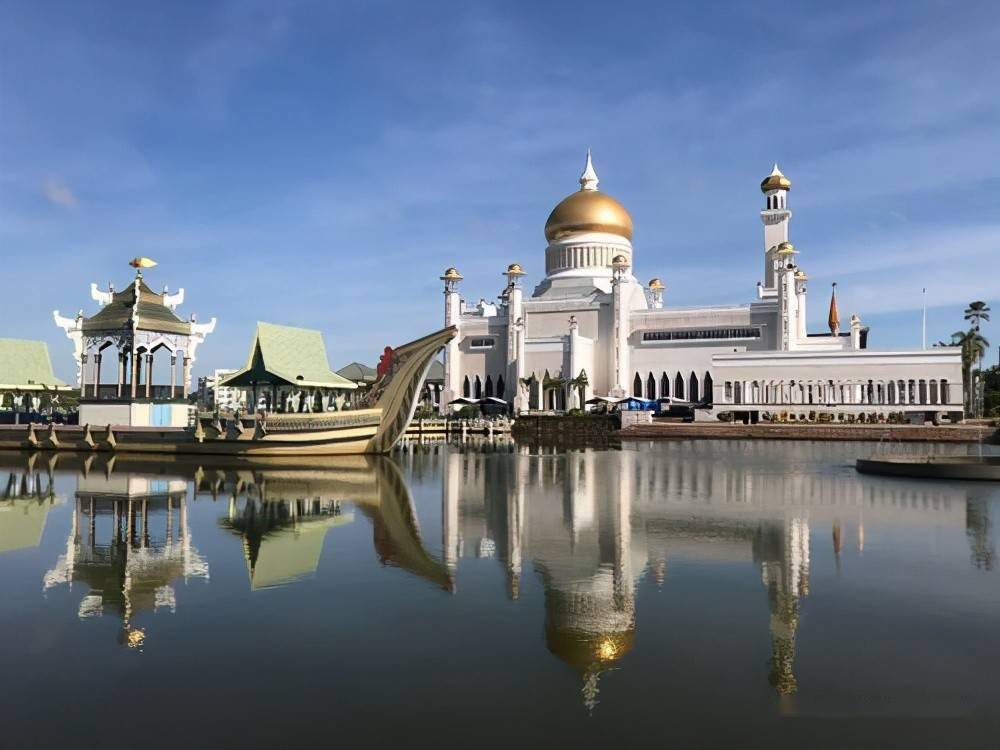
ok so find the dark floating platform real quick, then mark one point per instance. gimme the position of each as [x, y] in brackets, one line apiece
[984, 468]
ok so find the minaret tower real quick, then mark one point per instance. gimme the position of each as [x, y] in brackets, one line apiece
[619, 304]
[775, 217]
[515, 335]
[452, 314]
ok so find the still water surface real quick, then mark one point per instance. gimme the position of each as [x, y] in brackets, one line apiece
[695, 592]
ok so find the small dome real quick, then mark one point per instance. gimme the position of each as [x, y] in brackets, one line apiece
[656, 285]
[775, 181]
[514, 269]
[800, 274]
[588, 210]
[452, 274]
[786, 248]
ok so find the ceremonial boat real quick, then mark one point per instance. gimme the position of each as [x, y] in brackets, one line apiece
[374, 427]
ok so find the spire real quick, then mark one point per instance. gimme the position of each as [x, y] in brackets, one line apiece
[588, 180]
[834, 319]
[776, 172]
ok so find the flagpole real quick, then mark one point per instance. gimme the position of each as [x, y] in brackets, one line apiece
[923, 327]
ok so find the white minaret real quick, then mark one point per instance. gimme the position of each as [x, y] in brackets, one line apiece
[515, 336]
[619, 301]
[452, 354]
[788, 298]
[775, 217]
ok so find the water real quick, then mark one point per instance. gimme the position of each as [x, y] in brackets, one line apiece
[697, 593]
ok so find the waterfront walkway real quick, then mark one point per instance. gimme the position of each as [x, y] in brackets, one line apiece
[889, 433]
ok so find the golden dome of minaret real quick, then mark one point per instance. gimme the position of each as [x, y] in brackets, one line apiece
[656, 284]
[775, 181]
[588, 210]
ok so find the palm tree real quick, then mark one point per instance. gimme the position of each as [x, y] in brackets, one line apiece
[974, 347]
[976, 313]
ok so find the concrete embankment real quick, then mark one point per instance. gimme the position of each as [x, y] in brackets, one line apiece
[726, 431]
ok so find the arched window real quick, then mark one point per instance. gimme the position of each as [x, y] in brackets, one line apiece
[708, 387]
[500, 386]
[934, 391]
[637, 386]
[693, 390]
[945, 394]
[489, 386]
[651, 387]
[479, 387]
[664, 386]
[466, 388]
[891, 391]
[679, 386]
[922, 392]
[738, 392]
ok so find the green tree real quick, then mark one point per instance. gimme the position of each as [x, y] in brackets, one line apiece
[974, 347]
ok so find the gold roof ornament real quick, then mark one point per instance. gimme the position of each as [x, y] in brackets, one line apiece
[786, 248]
[656, 285]
[588, 210]
[801, 275]
[619, 261]
[141, 262]
[452, 274]
[775, 181]
[514, 269]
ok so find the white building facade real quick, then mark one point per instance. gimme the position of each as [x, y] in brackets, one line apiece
[591, 328]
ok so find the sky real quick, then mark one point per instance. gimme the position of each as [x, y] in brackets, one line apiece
[319, 164]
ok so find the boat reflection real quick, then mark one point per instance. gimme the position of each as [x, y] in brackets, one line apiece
[283, 515]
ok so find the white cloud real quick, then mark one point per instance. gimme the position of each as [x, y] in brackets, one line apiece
[59, 193]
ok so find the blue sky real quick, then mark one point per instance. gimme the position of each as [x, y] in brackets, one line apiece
[319, 164]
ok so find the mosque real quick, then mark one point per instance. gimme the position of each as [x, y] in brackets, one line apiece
[590, 328]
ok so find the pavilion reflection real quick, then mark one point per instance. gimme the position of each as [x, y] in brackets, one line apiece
[594, 524]
[129, 543]
[25, 501]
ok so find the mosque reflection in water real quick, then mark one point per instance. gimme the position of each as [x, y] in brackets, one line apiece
[593, 524]
[590, 524]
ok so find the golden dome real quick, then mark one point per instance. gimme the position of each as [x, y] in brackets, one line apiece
[588, 210]
[619, 260]
[775, 181]
[786, 248]
[656, 284]
[452, 274]
[514, 269]
[584, 650]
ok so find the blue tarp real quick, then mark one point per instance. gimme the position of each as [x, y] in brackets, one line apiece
[639, 404]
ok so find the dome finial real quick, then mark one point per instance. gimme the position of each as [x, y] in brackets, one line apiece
[588, 180]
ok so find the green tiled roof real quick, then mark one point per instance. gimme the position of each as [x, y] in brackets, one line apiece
[26, 365]
[296, 356]
[152, 314]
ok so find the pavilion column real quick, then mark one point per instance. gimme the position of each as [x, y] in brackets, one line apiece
[187, 374]
[121, 373]
[83, 375]
[149, 374]
[136, 370]
[173, 376]
[97, 375]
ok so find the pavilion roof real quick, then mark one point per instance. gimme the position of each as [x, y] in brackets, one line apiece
[150, 314]
[359, 373]
[26, 366]
[287, 355]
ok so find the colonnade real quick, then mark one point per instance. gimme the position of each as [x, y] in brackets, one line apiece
[929, 392]
[131, 380]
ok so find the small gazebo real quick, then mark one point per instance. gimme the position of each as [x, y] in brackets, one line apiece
[134, 326]
[287, 371]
